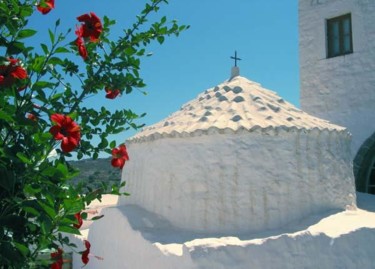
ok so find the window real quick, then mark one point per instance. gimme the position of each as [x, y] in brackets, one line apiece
[339, 36]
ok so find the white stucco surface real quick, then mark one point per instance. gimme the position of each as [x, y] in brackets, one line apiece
[129, 237]
[239, 159]
[243, 182]
[339, 89]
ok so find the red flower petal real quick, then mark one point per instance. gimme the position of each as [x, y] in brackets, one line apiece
[19, 72]
[87, 244]
[81, 48]
[124, 152]
[68, 144]
[79, 220]
[58, 119]
[91, 27]
[85, 254]
[55, 131]
[119, 156]
[118, 162]
[11, 72]
[32, 117]
[66, 130]
[57, 256]
[46, 7]
[111, 94]
[84, 18]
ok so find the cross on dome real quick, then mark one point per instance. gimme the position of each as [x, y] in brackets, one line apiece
[235, 70]
[235, 58]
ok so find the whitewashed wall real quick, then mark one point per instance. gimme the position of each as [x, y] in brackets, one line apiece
[340, 89]
[244, 182]
[124, 245]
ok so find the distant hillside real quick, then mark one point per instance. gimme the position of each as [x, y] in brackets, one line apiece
[93, 172]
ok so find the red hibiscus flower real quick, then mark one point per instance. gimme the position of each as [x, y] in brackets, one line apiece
[91, 27]
[111, 94]
[46, 6]
[81, 48]
[79, 220]
[66, 130]
[11, 72]
[57, 257]
[85, 254]
[119, 156]
[32, 117]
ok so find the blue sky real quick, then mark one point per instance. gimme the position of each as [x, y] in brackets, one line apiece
[264, 33]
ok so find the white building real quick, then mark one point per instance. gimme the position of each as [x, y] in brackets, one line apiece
[337, 67]
[239, 159]
[239, 178]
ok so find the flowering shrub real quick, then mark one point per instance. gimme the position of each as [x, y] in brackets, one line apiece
[42, 111]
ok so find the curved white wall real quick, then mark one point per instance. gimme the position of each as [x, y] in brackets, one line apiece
[244, 182]
[340, 89]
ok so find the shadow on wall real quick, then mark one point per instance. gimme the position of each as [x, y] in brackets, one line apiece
[365, 201]
[155, 228]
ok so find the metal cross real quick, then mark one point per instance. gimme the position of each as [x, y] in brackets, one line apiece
[235, 58]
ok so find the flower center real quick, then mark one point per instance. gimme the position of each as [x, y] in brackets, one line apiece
[64, 131]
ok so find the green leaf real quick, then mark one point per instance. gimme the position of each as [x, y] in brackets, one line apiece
[73, 115]
[26, 33]
[68, 229]
[41, 138]
[46, 226]
[5, 116]
[43, 84]
[37, 65]
[112, 144]
[56, 96]
[51, 36]
[160, 39]
[32, 189]
[72, 207]
[130, 51]
[49, 210]
[32, 211]
[63, 169]
[62, 50]
[22, 248]
[45, 48]
[7, 179]
[31, 205]
[55, 61]
[23, 158]
[26, 11]
[16, 47]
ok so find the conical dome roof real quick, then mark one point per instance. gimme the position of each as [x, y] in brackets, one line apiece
[236, 104]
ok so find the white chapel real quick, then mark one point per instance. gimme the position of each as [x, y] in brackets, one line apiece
[239, 159]
[239, 178]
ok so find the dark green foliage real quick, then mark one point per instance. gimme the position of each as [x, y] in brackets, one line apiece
[40, 194]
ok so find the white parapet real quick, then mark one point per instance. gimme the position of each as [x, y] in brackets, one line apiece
[241, 182]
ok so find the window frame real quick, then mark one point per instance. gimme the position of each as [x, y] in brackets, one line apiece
[330, 43]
